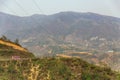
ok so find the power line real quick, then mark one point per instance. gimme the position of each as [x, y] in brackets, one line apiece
[21, 7]
[39, 8]
[34, 1]
[8, 8]
[34, 19]
[51, 37]
[26, 14]
[25, 11]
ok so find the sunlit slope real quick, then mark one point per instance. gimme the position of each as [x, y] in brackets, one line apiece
[9, 49]
[13, 45]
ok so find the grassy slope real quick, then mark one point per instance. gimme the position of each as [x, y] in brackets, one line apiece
[13, 45]
[47, 68]
[8, 49]
[53, 69]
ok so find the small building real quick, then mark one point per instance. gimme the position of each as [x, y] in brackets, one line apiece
[15, 57]
[110, 51]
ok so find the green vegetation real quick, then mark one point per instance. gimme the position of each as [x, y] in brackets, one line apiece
[30, 68]
[17, 41]
[9, 49]
[4, 38]
[6, 52]
[56, 49]
[54, 69]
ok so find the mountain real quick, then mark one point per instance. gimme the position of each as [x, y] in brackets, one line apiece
[67, 33]
[54, 69]
[65, 27]
[9, 49]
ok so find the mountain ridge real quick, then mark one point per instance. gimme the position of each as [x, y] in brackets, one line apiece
[64, 26]
[48, 35]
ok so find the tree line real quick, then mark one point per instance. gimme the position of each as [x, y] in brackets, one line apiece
[3, 37]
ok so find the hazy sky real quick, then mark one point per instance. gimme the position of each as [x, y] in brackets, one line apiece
[29, 7]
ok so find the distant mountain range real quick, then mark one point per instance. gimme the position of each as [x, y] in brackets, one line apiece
[32, 31]
[81, 25]
[64, 32]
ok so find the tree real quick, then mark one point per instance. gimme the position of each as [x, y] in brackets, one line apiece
[4, 38]
[16, 41]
